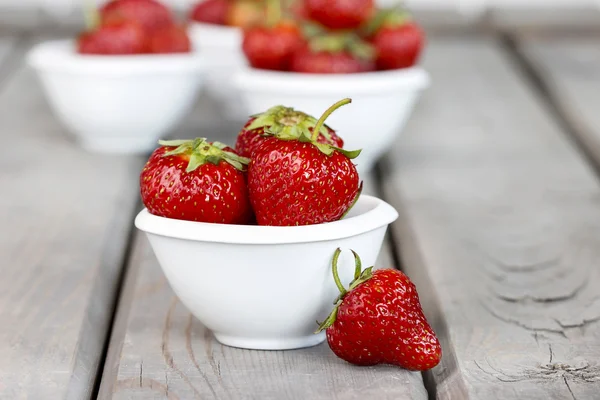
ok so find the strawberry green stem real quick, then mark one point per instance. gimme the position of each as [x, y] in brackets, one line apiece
[334, 269]
[91, 14]
[273, 12]
[325, 115]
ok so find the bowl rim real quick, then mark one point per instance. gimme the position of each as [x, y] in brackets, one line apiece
[59, 55]
[248, 78]
[378, 215]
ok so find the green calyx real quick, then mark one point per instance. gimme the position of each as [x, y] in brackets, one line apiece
[360, 277]
[341, 42]
[200, 152]
[388, 17]
[358, 193]
[285, 123]
[91, 15]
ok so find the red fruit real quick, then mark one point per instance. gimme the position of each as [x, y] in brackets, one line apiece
[379, 320]
[197, 181]
[334, 54]
[114, 37]
[340, 14]
[150, 14]
[302, 182]
[211, 11]
[282, 122]
[272, 48]
[322, 62]
[171, 39]
[398, 46]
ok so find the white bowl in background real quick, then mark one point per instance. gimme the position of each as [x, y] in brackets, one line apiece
[117, 104]
[221, 47]
[264, 287]
[382, 102]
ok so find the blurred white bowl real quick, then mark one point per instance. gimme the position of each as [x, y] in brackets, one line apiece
[221, 47]
[117, 104]
[264, 287]
[381, 102]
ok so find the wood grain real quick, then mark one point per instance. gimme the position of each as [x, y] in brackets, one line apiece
[159, 351]
[66, 217]
[500, 230]
[570, 71]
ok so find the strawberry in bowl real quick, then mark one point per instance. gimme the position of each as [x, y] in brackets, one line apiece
[228, 230]
[369, 54]
[127, 80]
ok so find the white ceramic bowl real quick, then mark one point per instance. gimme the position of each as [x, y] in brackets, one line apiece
[222, 48]
[264, 287]
[381, 102]
[117, 104]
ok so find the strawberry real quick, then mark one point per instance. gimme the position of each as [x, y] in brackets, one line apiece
[340, 14]
[398, 40]
[271, 45]
[197, 181]
[334, 54]
[150, 14]
[379, 320]
[171, 39]
[211, 11]
[283, 122]
[114, 37]
[244, 14]
[297, 181]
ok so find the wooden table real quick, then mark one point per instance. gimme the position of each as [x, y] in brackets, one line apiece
[495, 178]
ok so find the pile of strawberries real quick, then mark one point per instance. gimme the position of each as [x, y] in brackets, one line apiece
[287, 168]
[334, 36]
[124, 27]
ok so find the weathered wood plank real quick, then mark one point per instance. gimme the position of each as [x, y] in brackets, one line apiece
[570, 70]
[6, 46]
[66, 217]
[500, 231]
[158, 350]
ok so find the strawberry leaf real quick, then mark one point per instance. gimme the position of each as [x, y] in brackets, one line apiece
[358, 193]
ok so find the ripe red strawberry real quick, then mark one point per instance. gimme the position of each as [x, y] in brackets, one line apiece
[211, 11]
[283, 122]
[197, 181]
[340, 14]
[150, 14]
[334, 54]
[299, 181]
[114, 37]
[398, 40]
[379, 320]
[171, 39]
[272, 46]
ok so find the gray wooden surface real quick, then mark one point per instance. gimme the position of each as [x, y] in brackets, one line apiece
[570, 69]
[66, 217]
[159, 351]
[500, 230]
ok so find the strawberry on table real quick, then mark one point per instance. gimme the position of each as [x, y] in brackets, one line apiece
[340, 14]
[284, 122]
[299, 181]
[397, 39]
[197, 181]
[334, 53]
[379, 320]
[150, 14]
[211, 11]
[170, 39]
[112, 38]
